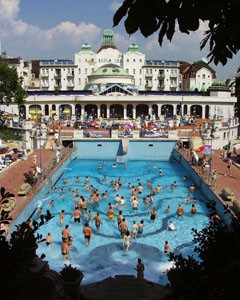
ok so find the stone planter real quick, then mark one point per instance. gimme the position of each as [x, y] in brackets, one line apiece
[71, 287]
[227, 194]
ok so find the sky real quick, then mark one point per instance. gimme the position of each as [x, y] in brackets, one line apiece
[56, 29]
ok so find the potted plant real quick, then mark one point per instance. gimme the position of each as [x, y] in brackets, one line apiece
[71, 278]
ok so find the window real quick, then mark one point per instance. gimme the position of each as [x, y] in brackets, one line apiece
[127, 60]
[127, 70]
[140, 60]
[203, 76]
[134, 60]
[79, 81]
[140, 71]
[134, 71]
[86, 71]
[79, 71]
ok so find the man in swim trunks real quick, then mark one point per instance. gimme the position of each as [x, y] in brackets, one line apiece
[65, 250]
[98, 221]
[48, 239]
[123, 227]
[193, 210]
[61, 217]
[140, 228]
[140, 269]
[87, 231]
[77, 215]
[110, 213]
[66, 233]
[180, 211]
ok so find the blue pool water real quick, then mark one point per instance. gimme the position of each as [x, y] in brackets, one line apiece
[105, 256]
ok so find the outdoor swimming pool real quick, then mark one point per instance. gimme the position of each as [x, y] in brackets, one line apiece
[105, 255]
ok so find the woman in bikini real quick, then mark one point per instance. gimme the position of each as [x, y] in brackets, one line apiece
[127, 240]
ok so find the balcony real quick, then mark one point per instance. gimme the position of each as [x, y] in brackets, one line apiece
[44, 74]
[174, 76]
[70, 75]
[44, 84]
[160, 87]
[161, 76]
[57, 75]
[70, 84]
[147, 76]
[57, 85]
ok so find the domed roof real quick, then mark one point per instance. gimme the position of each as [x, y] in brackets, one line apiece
[133, 47]
[108, 32]
[86, 47]
[219, 85]
[110, 70]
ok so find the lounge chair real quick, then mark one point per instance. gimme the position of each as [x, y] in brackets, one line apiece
[24, 189]
[8, 206]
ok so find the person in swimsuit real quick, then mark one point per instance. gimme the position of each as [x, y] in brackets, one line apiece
[134, 230]
[153, 214]
[48, 239]
[77, 215]
[127, 240]
[110, 213]
[65, 250]
[98, 221]
[123, 227]
[66, 233]
[180, 211]
[140, 269]
[140, 228]
[166, 247]
[193, 210]
[167, 210]
[61, 217]
[87, 231]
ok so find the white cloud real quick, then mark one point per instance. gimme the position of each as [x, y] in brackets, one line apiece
[8, 9]
[33, 40]
[114, 5]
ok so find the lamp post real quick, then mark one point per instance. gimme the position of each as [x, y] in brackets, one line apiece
[166, 115]
[40, 143]
[181, 112]
[211, 151]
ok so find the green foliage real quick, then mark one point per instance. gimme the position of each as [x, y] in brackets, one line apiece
[163, 15]
[16, 257]
[9, 134]
[70, 273]
[11, 89]
[217, 272]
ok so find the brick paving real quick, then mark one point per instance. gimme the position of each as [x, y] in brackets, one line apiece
[13, 177]
[222, 181]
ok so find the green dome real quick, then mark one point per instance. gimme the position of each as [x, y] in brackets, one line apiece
[108, 32]
[86, 47]
[110, 70]
[219, 85]
[133, 48]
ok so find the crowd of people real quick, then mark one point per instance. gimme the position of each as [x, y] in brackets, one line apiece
[86, 211]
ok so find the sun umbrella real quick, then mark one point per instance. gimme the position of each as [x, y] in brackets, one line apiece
[206, 149]
[66, 111]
